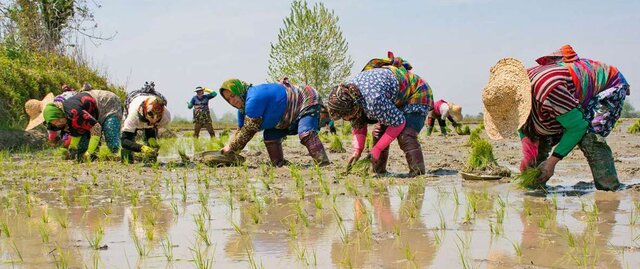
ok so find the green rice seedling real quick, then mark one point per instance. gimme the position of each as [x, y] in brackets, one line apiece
[409, 255]
[528, 179]
[443, 221]
[61, 260]
[634, 128]
[4, 229]
[437, 237]
[468, 214]
[96, 240]
[318, 203]
[134, 196]
[62, 219]
[167, 249]
[252, 260]
[201, 259]
[292, 226]
[336, 145]
[141, 249]
[411, 209]
[301, 213]
[456, 198]
[351, 188]
[174, 208]
[202, 229]
[500, 215]
[44, 233]
[237, 228]
[633, 216]
[517, 249]
[554, 200]
[571, 240]
[462, 130]
[465, 263]
[324, 185]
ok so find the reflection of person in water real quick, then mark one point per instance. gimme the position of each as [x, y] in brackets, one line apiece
[271, 235]
[388, 250]
[536, 249]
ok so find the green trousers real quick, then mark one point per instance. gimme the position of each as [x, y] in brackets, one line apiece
[598, 154]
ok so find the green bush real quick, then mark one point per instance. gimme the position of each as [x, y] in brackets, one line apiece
[28, 75]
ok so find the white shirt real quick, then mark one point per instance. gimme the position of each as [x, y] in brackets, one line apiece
[444, 110]
[133, 122]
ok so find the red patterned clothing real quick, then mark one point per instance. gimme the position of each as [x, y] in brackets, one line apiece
[82, 112]
[298, 100]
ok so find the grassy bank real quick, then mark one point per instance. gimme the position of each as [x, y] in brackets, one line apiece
[26, 75]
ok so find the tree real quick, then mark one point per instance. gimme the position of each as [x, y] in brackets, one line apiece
[628, 111]
[311, 49]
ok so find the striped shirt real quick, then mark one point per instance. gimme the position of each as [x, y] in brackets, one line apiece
[553, 94]
[298, 99]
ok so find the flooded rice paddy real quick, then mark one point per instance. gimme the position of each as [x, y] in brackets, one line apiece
[106, 215]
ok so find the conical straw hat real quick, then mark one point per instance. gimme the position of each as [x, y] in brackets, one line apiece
[34, 108]
[455, 111]
[506, 98]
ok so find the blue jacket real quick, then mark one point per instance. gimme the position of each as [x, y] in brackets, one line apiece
[266, 101]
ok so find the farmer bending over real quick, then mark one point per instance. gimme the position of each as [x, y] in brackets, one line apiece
[279, 110]
[442, 111]
[388, 94]
[570, 101]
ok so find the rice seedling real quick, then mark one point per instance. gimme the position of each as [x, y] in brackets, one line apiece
[517, 249]
[528, 179]
[318, 203]
[361, 167]
[201, 258]
[463, 130]
[202, 229]
[134, 196]
[633, 216]
[43, 230]
[465, 263]
[252, 260]
[96, 239]
[336, 145]
[324, 185]
[456, 198]
[481, 156]
[62, 219]
[61, 260]
[437, 237]
[167, 249]
[4, 229]
[570, 238]
[237, 228]
[443, 221]
[301, 213]
[409, 255]
[500, 215]
[141, 249]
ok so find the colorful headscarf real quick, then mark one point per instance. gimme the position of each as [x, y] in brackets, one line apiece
[390, 60]
[151, 109]
[344, 101]
[52, 112]
[564, 54]
[237, 87]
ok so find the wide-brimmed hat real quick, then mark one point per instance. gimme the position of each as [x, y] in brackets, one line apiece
[455, 111]
[199, 88]
[506, 99]
[34, 108]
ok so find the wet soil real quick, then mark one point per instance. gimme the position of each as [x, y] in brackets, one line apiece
[52, 212]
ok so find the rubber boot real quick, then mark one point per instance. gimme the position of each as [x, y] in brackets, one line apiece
[443, 130]
[429, 130]
[600, 159]
[314, 146]
[408, 141]
[379, 166]
[276, 155]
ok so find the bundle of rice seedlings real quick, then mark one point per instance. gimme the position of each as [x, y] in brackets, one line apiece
[481, 155]
[361, 167]
[528, 179]
[634, 128]
[463, 131]
[474, 136]
[324, 137]
[336, 145]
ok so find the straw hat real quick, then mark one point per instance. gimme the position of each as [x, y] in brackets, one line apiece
[34, 108]
[455, 111]
[506, 98]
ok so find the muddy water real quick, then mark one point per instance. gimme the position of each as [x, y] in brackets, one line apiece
[255, 220]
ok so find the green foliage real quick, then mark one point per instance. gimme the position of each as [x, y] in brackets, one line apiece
[463, 131]
[634, 128]
[311, 49]
[27, 75]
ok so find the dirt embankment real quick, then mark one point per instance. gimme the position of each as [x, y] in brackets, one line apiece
[12, 140]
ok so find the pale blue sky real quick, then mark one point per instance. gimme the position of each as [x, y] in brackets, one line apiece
[452, 44]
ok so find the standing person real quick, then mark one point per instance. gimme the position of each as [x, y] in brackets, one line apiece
[395, 100]
[87, 116]
[442, 111]
[145, 110]
[201, 113]
[563, 102]
[279, 110]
